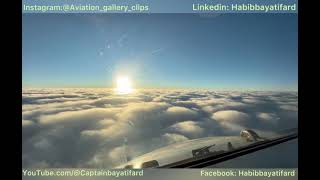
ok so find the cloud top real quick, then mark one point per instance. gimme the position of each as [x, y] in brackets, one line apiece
[97, 128]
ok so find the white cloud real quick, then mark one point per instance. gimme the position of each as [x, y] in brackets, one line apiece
[289, 107]
[173, 138]
[230, 116]
[87, 127]
[26, 123]
[268, 117]
[188, 128]
[231, 120]
[78, 117]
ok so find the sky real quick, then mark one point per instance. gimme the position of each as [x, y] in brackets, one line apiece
[229, 52]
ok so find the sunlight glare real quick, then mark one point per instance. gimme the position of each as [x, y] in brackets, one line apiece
[124, 85]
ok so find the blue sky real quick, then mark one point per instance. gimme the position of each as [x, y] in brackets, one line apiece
[231, 51]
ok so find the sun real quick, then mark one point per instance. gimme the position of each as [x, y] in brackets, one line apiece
[124, 85]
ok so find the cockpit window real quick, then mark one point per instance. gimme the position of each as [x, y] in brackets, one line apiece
[201, 148]
[149, 89]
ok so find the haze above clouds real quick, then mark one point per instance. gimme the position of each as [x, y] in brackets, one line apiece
[88, 127]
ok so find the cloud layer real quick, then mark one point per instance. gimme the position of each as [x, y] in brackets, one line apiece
[98, 128]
